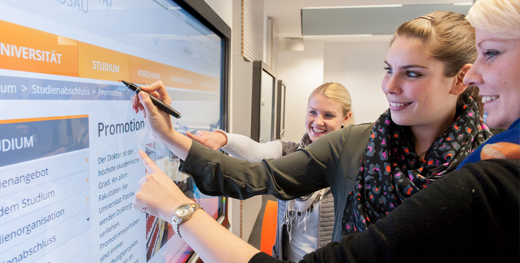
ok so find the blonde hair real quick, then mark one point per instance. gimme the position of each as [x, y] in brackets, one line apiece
[337, 93]
[500, 17]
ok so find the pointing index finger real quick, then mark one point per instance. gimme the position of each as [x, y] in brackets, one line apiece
[148, 163]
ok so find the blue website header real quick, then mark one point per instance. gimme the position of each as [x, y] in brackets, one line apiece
[24, 141]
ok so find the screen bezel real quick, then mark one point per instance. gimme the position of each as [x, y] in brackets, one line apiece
[208, 17]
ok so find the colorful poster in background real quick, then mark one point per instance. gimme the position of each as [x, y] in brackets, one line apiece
[68, 138]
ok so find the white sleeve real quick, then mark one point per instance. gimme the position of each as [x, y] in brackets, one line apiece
[243, 147]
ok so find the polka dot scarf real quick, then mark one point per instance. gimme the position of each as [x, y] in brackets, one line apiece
[391, 171]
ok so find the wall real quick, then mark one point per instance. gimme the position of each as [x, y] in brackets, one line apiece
[223, 8]
[302, 72]
[240, 109]
[242, 214]
[359, 66]
[240, 114]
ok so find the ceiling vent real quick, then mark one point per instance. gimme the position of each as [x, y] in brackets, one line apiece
[363, 20]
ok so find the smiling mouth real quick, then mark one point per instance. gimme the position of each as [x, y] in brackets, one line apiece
[399, 104]
[486, 99]
[315, 130]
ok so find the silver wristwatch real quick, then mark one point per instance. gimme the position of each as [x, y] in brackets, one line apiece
[182, 213]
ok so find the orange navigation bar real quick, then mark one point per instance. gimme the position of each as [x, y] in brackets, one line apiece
[147, 71]
[26, 49]
[101, 63]
[31, 50]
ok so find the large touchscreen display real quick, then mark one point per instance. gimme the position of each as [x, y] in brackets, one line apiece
[68, 138]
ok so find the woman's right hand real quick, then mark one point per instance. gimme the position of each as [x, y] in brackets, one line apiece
[159, 122]
[214, 140]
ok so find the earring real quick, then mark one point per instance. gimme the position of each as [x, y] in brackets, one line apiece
[342, 125]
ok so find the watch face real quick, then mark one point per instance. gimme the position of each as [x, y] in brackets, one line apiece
[182, 211]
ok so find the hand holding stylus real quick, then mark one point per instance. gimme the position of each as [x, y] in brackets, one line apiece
[158, 121]
[161, 105]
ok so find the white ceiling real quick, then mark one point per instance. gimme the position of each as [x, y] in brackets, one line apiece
[286, 15]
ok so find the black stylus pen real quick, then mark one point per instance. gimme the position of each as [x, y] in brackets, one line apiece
[161, 105]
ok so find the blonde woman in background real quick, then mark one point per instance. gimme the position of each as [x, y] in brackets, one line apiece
[304, 224]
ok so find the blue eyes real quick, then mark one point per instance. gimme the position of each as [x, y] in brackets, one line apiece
[328, 115]
[408, 73]
[489, 54]
[413, 74]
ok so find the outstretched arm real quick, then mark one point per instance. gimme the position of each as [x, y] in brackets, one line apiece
[246, 148]
[471, 215]
[237, 145]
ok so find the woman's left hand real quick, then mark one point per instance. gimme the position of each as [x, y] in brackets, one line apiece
[214, 140]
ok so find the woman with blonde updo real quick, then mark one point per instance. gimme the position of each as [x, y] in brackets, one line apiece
[304, 224]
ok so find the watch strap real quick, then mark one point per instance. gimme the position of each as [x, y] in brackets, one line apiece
[177, 221]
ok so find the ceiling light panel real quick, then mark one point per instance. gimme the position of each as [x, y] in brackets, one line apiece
[366, 20]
